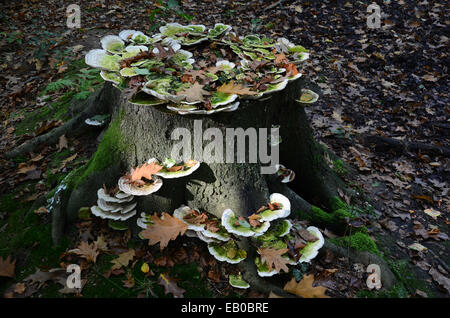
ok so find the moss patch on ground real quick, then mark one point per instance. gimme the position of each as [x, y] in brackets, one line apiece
[359, 241]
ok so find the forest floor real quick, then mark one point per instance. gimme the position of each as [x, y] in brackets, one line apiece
[389, 82]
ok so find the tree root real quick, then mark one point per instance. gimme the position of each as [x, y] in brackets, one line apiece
[95, 104]
[384, 144]
[388, 279]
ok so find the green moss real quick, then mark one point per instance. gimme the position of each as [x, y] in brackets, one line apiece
[397, 291]
[403, 272]
[340, 168]
[334, 220]
[107, 154]
[338, 204]
[358, 241]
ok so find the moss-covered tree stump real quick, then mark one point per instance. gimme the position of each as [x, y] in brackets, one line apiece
[142, 130]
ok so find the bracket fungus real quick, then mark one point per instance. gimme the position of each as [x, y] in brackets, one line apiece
[142, 180]
[227, 252]
[285, 175]
[311, 249]
[278, 207]
[174, 70]
[171, 169]
[308, 97]
[114, 205]
[237, 281]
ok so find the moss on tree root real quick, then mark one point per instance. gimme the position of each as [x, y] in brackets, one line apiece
[108, 153]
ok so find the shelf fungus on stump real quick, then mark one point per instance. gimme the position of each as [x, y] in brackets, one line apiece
[167, 67]
[114, 205]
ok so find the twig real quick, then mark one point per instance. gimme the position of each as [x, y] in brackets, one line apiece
[274, 5]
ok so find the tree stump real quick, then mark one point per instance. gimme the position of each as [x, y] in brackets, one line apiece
[144, 132]
[138, 133]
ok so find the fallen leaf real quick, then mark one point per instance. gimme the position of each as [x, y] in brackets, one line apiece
[194, 93]
[305, 289]
[7, 267]
[163, 229]
[433, 213]
[123, 260]
[170, 286]
[86, 251]
[232, 88]
[144, 171]
[62, 143]
[273, 258]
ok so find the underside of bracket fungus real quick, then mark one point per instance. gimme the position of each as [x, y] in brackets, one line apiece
[114, 205]
[172, 68]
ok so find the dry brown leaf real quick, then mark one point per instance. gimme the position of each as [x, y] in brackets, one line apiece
[232, 88]
[123, 260]
[7, 267]
[254, 220]
[305, 289]
[87, 251]
[163, 230]
[62, 143]
[194, 93]
[170, 286]
[273, 258]
[144, 171]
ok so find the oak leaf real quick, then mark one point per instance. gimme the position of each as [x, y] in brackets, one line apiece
[87, 251]
[305, 289]
[170, 286]
[232, 88]
[163, 229]
[123, 260]
[280, 58]
[194, 93]
[144, 171]
[7, 267]
[273, 258]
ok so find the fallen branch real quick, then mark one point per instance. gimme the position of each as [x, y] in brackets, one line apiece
[274, 5]
[95, 104]
[384, 144]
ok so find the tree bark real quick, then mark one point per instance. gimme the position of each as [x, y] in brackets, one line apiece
[146, 132]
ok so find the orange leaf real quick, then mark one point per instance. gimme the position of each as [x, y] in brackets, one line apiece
[163, 230]
[291, 70]
[7, 267]
[305, 289]
[232, 88]
[144, 171]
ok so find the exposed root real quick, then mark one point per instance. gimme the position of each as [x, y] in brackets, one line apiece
[384, 144]
[96, 103]
[388, 278]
